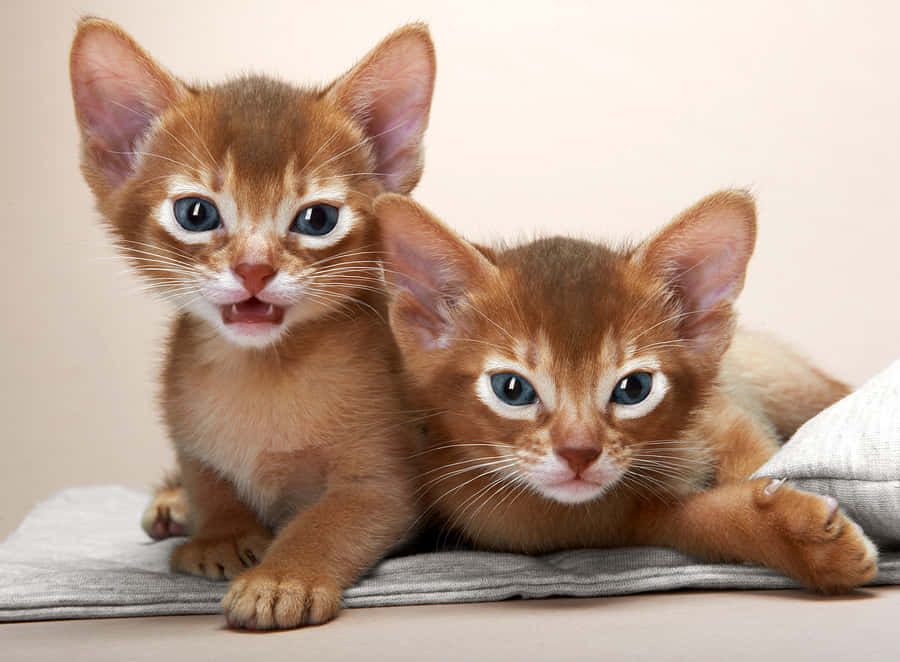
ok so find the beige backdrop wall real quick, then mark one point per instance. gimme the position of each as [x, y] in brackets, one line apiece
[596, 119]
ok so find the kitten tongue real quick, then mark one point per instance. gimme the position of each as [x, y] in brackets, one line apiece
[252, 311]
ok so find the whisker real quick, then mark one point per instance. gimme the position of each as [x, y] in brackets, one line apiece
[466, 461]
[137, 257]
[671, 318]
[456, 472]
[451, 491]
[347, 298]
[353, 253]
[358, 145]
[455, 445]
[145, 244]
[172, 135]
[321, 147]
[461, 509]
[159, 156]
[212, 159]
[355, 174]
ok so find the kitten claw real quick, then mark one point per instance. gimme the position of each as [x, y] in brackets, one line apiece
[222, 557]
[809, 538]
[832, 504]
[774, 486]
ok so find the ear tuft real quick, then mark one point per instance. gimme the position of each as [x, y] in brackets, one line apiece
[702, 255]
[118, 92]
[429, 269]
[390, 92]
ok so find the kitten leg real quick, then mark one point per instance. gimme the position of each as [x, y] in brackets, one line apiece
[227, 538]
[319, 554]
[768, 522]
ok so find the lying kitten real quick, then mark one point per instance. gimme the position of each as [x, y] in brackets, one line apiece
[589, 398]
[248, 204]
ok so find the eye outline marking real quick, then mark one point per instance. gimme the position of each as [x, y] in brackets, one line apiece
[544, 389]
[645, 395]
[219, 224]
[182, 187]
[335, 206]
[658, 389]
[333, 196]
[535, 398]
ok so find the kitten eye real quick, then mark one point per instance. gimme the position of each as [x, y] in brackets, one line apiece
[633, 388]
[315, 220]
[196, 214]
[513, 389]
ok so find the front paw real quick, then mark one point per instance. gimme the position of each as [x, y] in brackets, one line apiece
[269, 599]
[815, 542]
[167, 515]
[220, 557]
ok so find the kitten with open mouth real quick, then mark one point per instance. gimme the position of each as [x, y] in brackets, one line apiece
[247, 204]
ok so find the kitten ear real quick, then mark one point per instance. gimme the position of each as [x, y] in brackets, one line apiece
[702, 256]
[389, 92]
[428, 267]
[118, 91]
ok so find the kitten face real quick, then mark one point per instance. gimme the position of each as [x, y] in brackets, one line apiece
[262, 232]
[248, 203]
[576, 437]
[574, 397]
[565, 368]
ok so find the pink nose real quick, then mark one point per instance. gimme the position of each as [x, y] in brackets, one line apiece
[254, 276]
[578, 458]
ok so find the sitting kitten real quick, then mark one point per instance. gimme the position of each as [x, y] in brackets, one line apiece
[248, 204]
[589, 397]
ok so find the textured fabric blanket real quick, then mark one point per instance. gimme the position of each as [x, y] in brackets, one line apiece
[82, 553]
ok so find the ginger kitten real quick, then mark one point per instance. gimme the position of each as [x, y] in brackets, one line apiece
[589, 398]
[248, 205]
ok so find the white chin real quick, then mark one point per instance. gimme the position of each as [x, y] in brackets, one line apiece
[573, 491]
[252, 335]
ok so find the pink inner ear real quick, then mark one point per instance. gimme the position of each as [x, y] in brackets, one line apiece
[116, 96]
[703, 257]
[391, 94]
[710, 279]
[396, 131]
[429, 269]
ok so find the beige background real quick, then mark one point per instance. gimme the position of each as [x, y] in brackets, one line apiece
[601, 119]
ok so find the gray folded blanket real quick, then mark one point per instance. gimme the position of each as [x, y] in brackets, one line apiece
[82, 554]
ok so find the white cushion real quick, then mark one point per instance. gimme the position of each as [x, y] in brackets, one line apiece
[851, 451]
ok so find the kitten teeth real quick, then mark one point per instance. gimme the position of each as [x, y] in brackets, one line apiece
[270, 310]
[234, 310]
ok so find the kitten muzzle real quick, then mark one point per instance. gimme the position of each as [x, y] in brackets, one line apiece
[252, 311]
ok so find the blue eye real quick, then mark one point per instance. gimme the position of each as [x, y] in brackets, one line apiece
[513, 389]
[633, 389]
[196, 214]
[315, 220]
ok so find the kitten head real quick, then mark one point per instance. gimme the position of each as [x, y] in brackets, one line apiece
[248, 203]
[562, 364]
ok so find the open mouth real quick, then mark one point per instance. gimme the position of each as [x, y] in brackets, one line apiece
[252, 311]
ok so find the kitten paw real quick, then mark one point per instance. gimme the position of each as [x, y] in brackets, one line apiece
[814, 541]
[223, 557]
[167, 515]
[267, 599]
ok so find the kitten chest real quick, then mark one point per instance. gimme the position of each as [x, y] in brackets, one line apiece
[260, 429]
